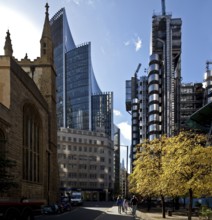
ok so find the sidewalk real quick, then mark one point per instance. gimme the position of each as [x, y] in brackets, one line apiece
[156, 214]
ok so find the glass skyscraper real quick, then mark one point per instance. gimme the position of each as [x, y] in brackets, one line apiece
[80, 102]
[63, 42]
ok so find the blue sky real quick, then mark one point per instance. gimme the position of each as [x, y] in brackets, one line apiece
[119, 32]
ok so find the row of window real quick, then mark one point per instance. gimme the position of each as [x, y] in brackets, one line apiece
[85, 167]
[86, 175]
[83, 184]
[82, 148]
[82, 157]
[80, 140]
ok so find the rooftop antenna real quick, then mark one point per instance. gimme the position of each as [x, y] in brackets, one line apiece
[163, 7]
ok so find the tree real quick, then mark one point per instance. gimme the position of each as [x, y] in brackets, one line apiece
[174, 166]
[187, 166]
[6, 179]
[146, 177]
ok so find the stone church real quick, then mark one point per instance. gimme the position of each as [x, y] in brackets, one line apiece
[28, 131]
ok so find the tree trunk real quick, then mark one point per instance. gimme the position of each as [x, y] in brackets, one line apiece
[163, 206]
[190, 204]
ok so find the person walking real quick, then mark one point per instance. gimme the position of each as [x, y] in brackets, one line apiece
[134, 203]
[125, 205]
[119, 203]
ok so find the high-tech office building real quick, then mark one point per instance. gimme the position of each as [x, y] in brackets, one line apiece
[208, 83]
[154, 99]
[80, 102]
[191, 100]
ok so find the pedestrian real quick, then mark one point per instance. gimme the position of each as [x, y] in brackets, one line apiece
[125, 205]
[119, 203]
[134, 203]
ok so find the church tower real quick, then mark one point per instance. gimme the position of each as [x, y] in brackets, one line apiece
[8, 50]
[46, 49]
[42, 71]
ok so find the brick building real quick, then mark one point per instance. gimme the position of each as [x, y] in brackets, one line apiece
[28, 133]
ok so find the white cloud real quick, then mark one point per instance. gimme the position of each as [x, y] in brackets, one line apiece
[125, 129]
[127, 43]
[116, 112]
[77, 2]
[138, 44]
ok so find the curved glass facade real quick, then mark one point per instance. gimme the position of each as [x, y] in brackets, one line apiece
[80, 101]
[78, 88]
[63, 42]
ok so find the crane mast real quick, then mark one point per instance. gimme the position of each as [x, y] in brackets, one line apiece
[163, 7]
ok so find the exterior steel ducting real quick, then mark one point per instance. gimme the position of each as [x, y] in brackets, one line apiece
[153, 107]
[208, 86]
[153, 87]
[154, 67]
[154, 58]
[153, 97]
[153, 77]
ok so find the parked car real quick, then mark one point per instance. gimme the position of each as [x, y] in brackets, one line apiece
[50, 209]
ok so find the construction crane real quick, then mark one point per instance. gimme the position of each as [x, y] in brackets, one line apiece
[139, 66]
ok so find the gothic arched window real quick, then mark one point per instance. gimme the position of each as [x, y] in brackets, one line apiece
[2, 143]
[31, 143]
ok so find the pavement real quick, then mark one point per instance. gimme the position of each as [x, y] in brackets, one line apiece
[154, 214]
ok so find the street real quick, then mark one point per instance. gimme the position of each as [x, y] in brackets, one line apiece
[91, 211]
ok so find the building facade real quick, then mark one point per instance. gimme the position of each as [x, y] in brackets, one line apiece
[80, 102]
[154, 100]
[191, 100]
[116, 160]
[86, 163]
[207, 83]
[28, 121]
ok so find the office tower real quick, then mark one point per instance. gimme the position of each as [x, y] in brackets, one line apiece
[137, 105]
[154, 100]
[63, 42]
[102, 114]
[164, 76]
[82, 107]
[80, 102]
[208, 83]
[191, 99]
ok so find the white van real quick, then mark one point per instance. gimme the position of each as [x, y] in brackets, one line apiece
[76, 198]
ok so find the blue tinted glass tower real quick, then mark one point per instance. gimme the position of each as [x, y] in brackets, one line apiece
[63, 42]
[78, 93]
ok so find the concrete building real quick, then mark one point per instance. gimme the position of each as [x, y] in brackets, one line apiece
[86, 163]
[28, 131]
